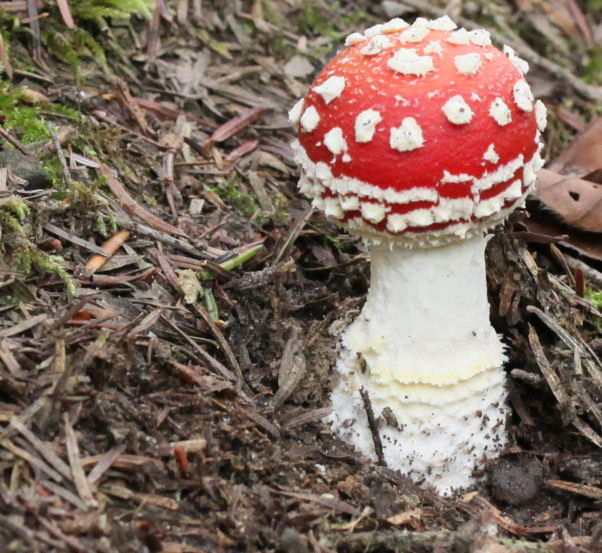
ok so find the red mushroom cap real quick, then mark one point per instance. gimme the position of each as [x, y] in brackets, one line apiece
[419, 130]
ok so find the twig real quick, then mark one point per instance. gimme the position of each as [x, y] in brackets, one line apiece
[296, 229]
[53, 229]
[378, 446]
[14, 142]
[224, 371]
[591, 274]
[224, 345]
[59, 153]
[34, 25]
[403, 541]
[557, 389]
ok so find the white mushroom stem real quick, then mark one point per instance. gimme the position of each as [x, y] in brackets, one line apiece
[426, 353]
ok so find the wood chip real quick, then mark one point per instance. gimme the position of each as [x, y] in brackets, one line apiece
[77, 470]
[592, 492]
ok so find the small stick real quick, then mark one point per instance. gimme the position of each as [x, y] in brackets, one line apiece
[110, 246]
[579, 282]
[14, 142]
[182, 462]
[378, 446]
[60, 154]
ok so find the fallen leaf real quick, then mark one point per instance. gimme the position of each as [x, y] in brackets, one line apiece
[298, 66]
[584, 153]
[577, 201]
[412, 518]
[133, 207]
[235, 125]
[65, 11]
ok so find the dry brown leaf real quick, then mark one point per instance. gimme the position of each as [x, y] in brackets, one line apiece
[577, 201]
[133, 207]
[66, 13]
[584, 153]
[585, 244]
[412, 518]
[592, 492]
[235, 125]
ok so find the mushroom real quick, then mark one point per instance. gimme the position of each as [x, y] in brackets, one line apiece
[419, 138]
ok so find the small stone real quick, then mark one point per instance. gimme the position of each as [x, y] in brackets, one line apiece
[196, 206]
[25, 167]
[516, 481]
[292, 542]
[298, 66]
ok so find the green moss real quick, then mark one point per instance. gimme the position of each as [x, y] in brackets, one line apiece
[23, 253]
[106, 224]
[24, 117]
[593, 66]
[72, 46]
[596, 299]
[118, 9]
[273, 14]
[230, 190]
[313, 20]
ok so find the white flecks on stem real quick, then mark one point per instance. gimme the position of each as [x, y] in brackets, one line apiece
[457, 110]
[408, 62]
[294, 114]
[310, 119]
[406, 137]
[331, 88]
[365, 125]
[334, 141]
[491, 155]
[523, 97]
[500, 112]
[445, 424]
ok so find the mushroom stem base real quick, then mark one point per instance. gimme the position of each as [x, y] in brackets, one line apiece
[425, 351]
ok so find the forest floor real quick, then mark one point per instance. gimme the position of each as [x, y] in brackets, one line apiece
[170, 398]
